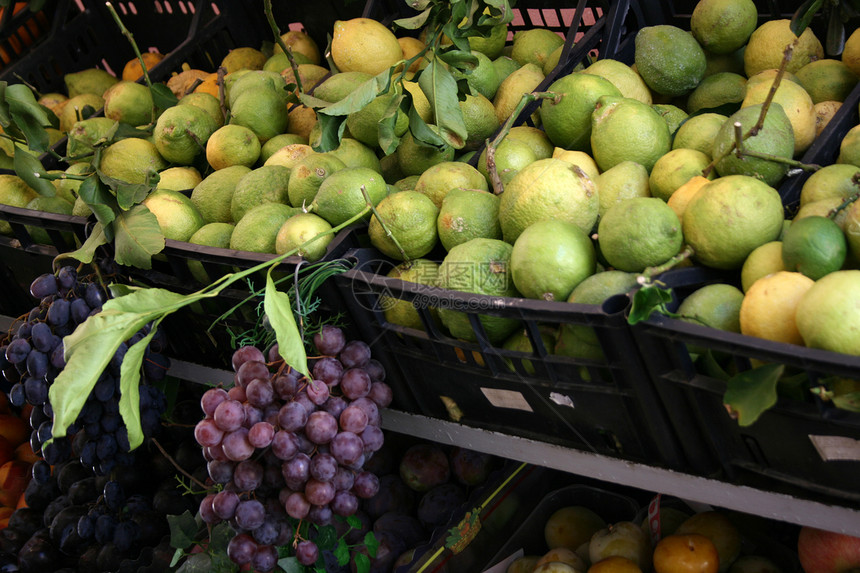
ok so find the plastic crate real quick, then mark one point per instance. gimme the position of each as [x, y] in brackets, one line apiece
[22, 259]
[792, 446]
[605, 406]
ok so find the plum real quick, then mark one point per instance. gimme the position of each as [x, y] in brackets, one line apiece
[406, 527]
[438, 504]
[471, 467]
[393, 495]
[424, 466]
[39, 555]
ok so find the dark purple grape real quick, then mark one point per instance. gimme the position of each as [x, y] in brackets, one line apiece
[260, 392]
[297, 505]
[86, 527]
[343, 479]
[285, 446]
[305, 445]
[67, 277]
[106, 447]
[250, 514]
[344, 503]
[79, 310]
[244, 354]
[221, 471]
[274, 354]
[43, 285]
[241, 549]
[18, 350]
[329, 340]
[320, 515]
[321, 427]
[265, 558]
[224, 504]
[286, 386]
[296, 470]
[36, 391]
[267, 533]
[329, 370]
[355, 383]
[347, 448]
[113, 495]
[270, 413]
[319, 492]
[366, 485]
[57, 358]
[355, 354]
[353, 419]
[41, 472]
[58, 312]
[207, 514]
[248, 475]
[292, 417]
[210, 400]
[251, 370]
[323, 467]
[95, 296]
[252, 415]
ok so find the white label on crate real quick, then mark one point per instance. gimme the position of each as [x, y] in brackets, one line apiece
[506, 399]
[502, 566]
[561, 399]
[832, 448]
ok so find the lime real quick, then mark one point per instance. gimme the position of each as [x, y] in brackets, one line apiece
[214, 195]
[567, 118]
[669, 59]
[814, 246]
[258, 230]
[410, 218]
[266, 184]
[483, 79]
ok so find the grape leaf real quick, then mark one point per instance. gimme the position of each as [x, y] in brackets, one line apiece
[341, 552]
[752, 392]
[87, 251]
[129, 398]
[362, 563]
[371, 543]
[280, 313]
[138, 237]
[183, 529]
[353, 522]
[291, 565]
[197, 563]
[648, 299]
[326, 537]
[440, 87]
[177, 555]
[32, 172]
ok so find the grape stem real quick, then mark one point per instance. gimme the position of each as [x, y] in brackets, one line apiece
[176, 465]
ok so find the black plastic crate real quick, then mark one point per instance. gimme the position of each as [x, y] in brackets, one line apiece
[605, 406]
[789, 447]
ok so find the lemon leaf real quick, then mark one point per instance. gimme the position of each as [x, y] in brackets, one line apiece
[137, 237]
[32, 172]
[388, 139]
[752, 392]
[804, 14]
[34, 132]
[87, 251]
[421, 131]
[440, 87]
[280, 312]
[330, 133]
[162, 96]
[647, 300]
[100, 200]
[414, 22]
[22, 101]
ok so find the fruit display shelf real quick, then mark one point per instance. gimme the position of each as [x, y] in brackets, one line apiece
[802, 444]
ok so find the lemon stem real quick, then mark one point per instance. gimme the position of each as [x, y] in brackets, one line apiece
[498, 187]
[844, 205]
[267, 6]
[222, 93]
[130, 36]
[385, 228]
[650, 272]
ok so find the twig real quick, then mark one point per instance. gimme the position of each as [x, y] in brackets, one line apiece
[176, 465]
[844, 205]
[385, 228]
[130, 36]
[267, 6]
[650, 272]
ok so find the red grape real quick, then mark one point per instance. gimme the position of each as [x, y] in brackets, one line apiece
[329, 340]
[381, 394]
[347, 448]
[236, 445]
[248, 475]
[229, 415]
[285, 445]
[250, 514]
[323, 467]
[292, 417]
[355, 383]
[224, 504]
[241, 549]
[244, 354]
[321, 427]
[355, 354]
[260, 435]
[260, 392]
[297, 505]
[353, 419]
[345, 503]
[251, 370]
[207, 433]
[366, 485]
[211, 398]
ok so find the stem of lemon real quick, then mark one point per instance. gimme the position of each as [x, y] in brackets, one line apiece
[844, 205]
[267, 6]
[646, 275]
[385, 228]
[130, 36]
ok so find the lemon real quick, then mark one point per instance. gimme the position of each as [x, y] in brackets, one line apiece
[729, 217]
[764, 260]
[669, 59]
[232, 145]
[298, 230]
[851, 52]
[68, 188]
[181, 133]
[258, 230]
[827, 315]
[355, 154]
[638, 233]
[595, 289]
[309, 74]
[208, 103]
[411, 47]
[621, 182]
[814, 246]
[479, 266]
[849, 147]
[88, 81]
[579, 158]
[834, 180]
[492, 44]
[271, 146]
[243, 58]
[775, 138]
[213, 196]
[796, 104]
[439, 179]
[55, 205]
[79, 107]
[827, 80]
[279, 62]
[363, 124]
[509, 158]
[307, 176]
[623, 77]
[524, 80]
[567, 118]
[468, 214]
[406, 183]
[674, 169]
[410, 217]
[340, 196]
[266, 184]
[177, 216]
[215, 235]
[179, 178]
[624, 129]
[15, 192]
[132, 70]
[131, 160]
[505, 66]
[263, 111]
[683, 194]
[129, 102]
[671, 114]
[338, 86]
[535, 138]
[520, 342]
[301, 121]
[732, 62]
[209, 85]
[480, 119]
[824, 112]
[767, 43]
[534, 46]
[714, 305]
[769, 306]
[243, 81]
[415, 158]
[822, 208]
[550, 258]
[717, 90]
[483, 79]
[83, 136]
[723, 26]
[289, 155]
[419, 101]
[364, 45]
[401, 312]
[299, 42]
[699, 132]
[547, 189]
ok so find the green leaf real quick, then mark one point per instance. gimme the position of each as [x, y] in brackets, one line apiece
[835, 41]
[177, 555]
[22, 101]
[750, 393]
[313, 102]
[32, 172]
[388, 138]
[87, 251]
[331, 131]
[414, 22]
[341, 552]
[440, 87]
[131, 194]
[162, 96]
[138, 237]
[35, 134]
[90, 347]
[803, 16]
[183, 529]
[648, 299]
[709, 366]
[129, 399]
[103, 204]
[362, 563]
[197, 563]
[291, 565]
[5, 116]
[353, 522]
[459, 59]
[849, 401]
[371, 543]
[360, 96]
[326, 537]
[280, 313]
[421, 132]
[220, 538]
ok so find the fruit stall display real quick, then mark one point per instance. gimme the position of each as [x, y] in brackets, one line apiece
[289, 289]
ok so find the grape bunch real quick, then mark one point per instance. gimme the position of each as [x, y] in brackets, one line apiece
[33, 358]
[287, 449]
